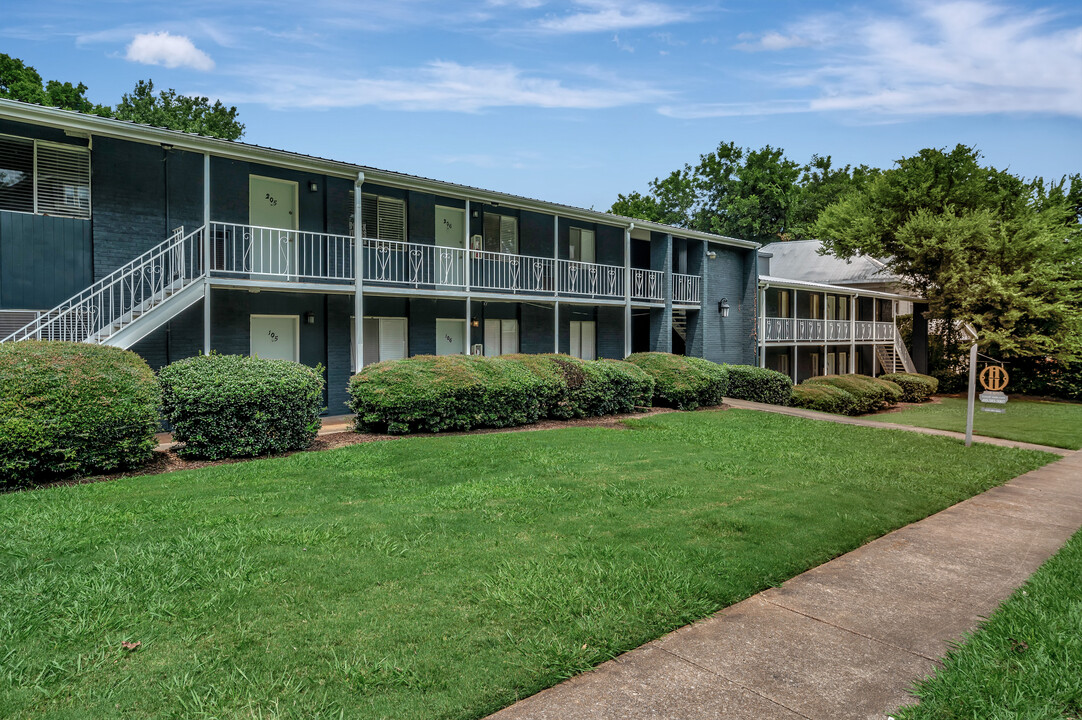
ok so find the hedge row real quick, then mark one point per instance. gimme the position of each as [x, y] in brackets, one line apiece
[916, 388]
[237, 406]
[847, 394]
[684, 383]
[759, 385]
[580, 388]
[73, 409]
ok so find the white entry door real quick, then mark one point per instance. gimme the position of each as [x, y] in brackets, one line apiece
[450, 233]
[450, 337]
[275, 337]
[272, 212]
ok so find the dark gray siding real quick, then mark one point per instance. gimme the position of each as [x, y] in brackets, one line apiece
[43, 260]
[730, 275]
[610, 332]
[661, 318]
[535, 234]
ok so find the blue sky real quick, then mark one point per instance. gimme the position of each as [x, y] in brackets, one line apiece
[577, 101]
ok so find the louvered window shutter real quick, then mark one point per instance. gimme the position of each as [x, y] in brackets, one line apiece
[16, 174]
[63, 180]
[369, 216]
[392, 219]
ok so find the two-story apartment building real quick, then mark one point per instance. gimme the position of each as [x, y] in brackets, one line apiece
[173, 244]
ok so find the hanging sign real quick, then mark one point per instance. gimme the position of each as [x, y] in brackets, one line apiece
[994, 378]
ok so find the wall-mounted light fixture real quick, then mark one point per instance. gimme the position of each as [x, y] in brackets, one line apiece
[309, 318]
[475, 323]
[723, 307]
[313, 186]
[712, 255]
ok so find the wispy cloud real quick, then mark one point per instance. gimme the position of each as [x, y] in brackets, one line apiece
[964, 57]
[442, 86]
[172, 51]
[611, 16]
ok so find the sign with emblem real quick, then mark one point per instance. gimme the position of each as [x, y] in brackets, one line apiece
[994, 378]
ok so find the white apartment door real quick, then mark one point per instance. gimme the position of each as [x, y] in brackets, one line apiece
[450, 337]
[584, 339]
[272, 213]
[275, 337]
[450, 233]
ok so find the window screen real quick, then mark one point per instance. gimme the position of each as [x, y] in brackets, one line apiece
[501, 233]
[45, 178]
[383, 218]
[16, 174]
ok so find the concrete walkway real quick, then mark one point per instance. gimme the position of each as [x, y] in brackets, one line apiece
[845, 420]
[846, 639]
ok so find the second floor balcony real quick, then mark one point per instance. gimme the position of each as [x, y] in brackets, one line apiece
[275, 256]
[812, 330]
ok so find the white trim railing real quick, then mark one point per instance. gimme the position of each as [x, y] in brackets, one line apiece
[120, 298]
[868, 331]
[685, 289]
[507, 272]
[815, 330]
[413, 264]
[646, 285]
[778, 329]
[254, 252]
[590, 279]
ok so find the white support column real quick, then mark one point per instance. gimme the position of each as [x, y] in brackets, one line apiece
[208, 260]
[627, 289]
[852, 334]
[556, 281]
[469, 326]
[826, 344]
[894, 333]
[358, 277]
[762, 327]
[792, 362]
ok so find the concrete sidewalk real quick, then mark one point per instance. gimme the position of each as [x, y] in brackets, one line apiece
[863, 421]
[848, 638]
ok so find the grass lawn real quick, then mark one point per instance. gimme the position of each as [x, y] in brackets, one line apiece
[1025, 662]
[435, 577]
[1057, 424]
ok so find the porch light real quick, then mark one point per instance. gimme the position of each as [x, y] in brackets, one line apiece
[309, 318]
[312, 186]
[711, 254]
[723, 307]
[475, 323]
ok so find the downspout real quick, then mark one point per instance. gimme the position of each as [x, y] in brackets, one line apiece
[627, 288]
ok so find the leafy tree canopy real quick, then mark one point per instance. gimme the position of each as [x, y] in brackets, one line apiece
[19, 81]
[982, 245]
[750, 194]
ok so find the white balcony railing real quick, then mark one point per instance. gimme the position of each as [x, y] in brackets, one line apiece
[646, 285]
[685, 288]
[812, 330]
[252, 252]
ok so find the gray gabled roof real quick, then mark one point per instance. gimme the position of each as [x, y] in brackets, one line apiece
[801, 260]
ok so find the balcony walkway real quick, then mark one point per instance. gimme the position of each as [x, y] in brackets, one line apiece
[848, 638]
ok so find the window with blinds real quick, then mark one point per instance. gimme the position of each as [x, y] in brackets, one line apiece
[501, 233]
[383, 218]
[44, 178]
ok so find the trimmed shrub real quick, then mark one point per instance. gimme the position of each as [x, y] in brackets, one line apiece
[683, 382]
[916, 388]
[237, 406]
[579, 388]
[448, 392]
[869, 394]
[824, 398]
[759, 385]
[73, 409]
[893, 390]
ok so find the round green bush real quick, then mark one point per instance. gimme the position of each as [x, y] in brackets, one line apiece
[869, 394]
[582, 388]
[73, 409]
[759, 385]
[916, 388]
[447, 392]
[824, 398]
[238, 406]
[684, 383]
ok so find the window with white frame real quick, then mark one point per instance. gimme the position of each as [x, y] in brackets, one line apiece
[783, 363]
[816, 365]
[584, 339]
[783, 303]
[385, 338]
[501, 337]
[44, 178]
[831, 368]
[383, 218]
[582, 245]
[501, 233]
[816, 305]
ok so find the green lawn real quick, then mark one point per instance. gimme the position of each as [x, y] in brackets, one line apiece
[1025, 662]
[1057, 424]
[435, 577]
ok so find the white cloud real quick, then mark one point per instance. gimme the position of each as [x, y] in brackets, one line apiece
[964, 57]
[442, 86]
[611, 16]
[172, 51]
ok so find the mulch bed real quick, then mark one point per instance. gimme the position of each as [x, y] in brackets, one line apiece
[167, 460]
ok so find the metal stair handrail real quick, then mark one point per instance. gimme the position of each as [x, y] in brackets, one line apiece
[902, 353]
[122, 296]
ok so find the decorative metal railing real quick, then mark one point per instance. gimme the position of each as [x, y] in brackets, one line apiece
[413, 264]
[263, 253]
[126, 294]
[868, 331]
[646, 285]
[590, 279]
[813, 330]
[685, 288]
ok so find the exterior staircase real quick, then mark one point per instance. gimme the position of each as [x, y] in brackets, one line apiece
[680, 323]
[895, 358]
[132, 301]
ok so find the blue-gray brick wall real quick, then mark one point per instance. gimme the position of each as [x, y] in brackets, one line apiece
[661, 318]
[610, 332]
[731, 275]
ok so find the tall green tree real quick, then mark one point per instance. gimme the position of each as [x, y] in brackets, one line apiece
[179, 112]
[19, 81]
[982, 245]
